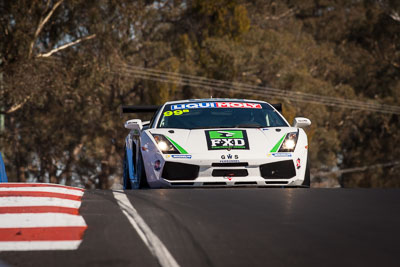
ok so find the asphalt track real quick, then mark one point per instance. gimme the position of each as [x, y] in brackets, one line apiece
[237, 227]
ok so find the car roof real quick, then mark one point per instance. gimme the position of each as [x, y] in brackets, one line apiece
[212, 99]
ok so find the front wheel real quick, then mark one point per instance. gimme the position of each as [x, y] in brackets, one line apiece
[140, 179]
[125, 176]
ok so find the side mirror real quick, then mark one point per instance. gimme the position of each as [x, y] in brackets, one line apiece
[135, 125]
[300, 122]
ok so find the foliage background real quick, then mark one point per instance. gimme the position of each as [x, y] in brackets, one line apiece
[68, 65]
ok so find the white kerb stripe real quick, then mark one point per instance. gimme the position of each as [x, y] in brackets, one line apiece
[24, 220]
[43, 185]
[59, 190]
[154, 244]
[39, 245]
[38, 201]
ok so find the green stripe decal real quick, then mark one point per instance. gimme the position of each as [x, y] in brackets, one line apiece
[181, 150]
[276, 147]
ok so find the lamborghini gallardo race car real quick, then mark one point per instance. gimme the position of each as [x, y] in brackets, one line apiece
[215, 142]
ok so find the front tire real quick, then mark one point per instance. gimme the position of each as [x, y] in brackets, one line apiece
[125, 176]
[307, 180]
[140, 180]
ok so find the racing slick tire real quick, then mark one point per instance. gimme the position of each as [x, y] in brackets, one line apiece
[141, 179]
[306, 182]
[125, 176]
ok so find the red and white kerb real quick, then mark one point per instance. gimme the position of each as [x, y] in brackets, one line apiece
[40, 217]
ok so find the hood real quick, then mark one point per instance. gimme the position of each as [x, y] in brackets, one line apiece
[260, 140]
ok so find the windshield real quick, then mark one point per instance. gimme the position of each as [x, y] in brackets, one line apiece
[201, 115]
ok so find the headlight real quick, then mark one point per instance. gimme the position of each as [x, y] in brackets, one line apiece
[165, 145]
[289, 144]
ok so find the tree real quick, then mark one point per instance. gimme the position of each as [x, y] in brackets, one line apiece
[68, 66]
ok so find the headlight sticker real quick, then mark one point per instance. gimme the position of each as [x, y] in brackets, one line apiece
[286, 144]
[167, 145]
[278, 145]
[227, 139]
[180, 149]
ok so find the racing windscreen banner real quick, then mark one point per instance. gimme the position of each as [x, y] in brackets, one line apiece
[227, 139]
[216, 105]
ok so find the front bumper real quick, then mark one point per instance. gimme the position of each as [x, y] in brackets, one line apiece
[208, 173]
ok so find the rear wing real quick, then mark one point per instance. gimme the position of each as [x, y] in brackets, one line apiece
[140, 109]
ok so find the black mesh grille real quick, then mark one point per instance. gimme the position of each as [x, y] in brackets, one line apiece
[183, 183]
[245, 183]
[281, 169]
[231, 172]
[276, 182]
[230, 164]
[214, 183]
[180, 171]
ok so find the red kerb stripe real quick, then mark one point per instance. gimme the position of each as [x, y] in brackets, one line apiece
[42, 233]
[37, 194]
[38, 185]
[39, 209]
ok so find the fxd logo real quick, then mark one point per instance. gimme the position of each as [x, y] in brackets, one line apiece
[227, 139]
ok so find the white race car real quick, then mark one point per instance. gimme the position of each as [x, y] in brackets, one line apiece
[215, 142]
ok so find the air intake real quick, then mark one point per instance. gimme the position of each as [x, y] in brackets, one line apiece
[278, 170]
[214, 183]
[180, 171]
[182, 184]
[229, 172]
[230, 164]
[245, 183]
[276, 182]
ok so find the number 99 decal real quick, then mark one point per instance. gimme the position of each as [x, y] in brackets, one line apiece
[175, 112]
